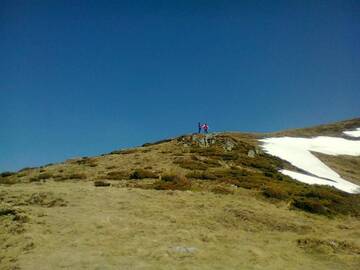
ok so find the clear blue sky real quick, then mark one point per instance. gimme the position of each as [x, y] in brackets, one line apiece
[86, 77]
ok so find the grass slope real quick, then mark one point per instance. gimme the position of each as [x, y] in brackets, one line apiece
[128, 209]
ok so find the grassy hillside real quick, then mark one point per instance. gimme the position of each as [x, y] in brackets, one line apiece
[193, 202]
[333, 129]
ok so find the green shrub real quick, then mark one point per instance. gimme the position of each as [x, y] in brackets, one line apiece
[141, 174]
[315, 206]
[324, 193]
[269, 174]
[6, 174]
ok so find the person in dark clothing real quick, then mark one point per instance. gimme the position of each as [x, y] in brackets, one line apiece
[199, 127]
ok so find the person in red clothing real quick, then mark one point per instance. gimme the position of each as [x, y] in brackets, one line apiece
[206, 128]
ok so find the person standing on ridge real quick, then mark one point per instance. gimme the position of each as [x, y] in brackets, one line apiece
[199, 127]
[206, 128]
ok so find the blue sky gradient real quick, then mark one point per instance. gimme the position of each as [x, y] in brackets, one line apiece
[81, 78]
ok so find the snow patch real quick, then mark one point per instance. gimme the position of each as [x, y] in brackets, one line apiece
[297, 151]
[353, 133]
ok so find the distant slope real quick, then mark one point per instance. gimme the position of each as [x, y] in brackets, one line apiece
[333, 129]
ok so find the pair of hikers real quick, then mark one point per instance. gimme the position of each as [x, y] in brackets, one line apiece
[204, 127]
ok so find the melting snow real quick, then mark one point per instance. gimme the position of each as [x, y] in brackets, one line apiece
[297, 151]
[353, 133]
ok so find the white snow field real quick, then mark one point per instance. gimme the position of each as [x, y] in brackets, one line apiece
[297, 151]
[353, 133]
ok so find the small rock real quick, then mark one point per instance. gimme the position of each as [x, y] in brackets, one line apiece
[229, 145]
[258, 151]
[184, 250]
[251, 153]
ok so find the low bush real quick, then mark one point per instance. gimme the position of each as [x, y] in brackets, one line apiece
[156, 143]
[118, 175]
[6, 174]
[141, 174]
[44, 176]
[59, 177]
[311, 205]
[172, 182]
[275, 192]
[91, 162]
[40, 177]
[7, 180]
[124, 152]
[204, 175]
[222, 190]
[77, 176]
[101, 183]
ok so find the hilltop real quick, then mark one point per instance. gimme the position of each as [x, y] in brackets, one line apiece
[192, 202]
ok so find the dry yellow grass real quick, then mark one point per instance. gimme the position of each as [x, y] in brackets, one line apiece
[122, 228]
